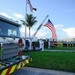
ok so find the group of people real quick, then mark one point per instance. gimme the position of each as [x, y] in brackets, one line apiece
[30, 46]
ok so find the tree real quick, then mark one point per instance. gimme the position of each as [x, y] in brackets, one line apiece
[30, 21]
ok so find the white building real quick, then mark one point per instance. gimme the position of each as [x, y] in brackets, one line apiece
[69, 40]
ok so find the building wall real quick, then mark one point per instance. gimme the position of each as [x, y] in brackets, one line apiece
[69, 39]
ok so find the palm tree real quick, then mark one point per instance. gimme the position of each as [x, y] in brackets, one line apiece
[30, 21]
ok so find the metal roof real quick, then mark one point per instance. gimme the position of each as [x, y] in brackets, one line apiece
[3, 18]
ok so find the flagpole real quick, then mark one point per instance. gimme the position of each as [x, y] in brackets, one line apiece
[27, 2]
[25, 19]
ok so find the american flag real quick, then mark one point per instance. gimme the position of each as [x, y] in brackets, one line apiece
[51, 27]
[30, 5]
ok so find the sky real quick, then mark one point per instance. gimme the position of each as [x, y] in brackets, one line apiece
[61, 13]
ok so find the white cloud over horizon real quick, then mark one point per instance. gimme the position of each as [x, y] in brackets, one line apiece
[59, 26]
[13, 16]
[8, 16]
[40, 34]
[18, 15]
[70, 32]
[5, 14]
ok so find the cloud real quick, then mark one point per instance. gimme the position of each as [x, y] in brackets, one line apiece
[70, 32]
[22, 30]
[8, 10]
[18, 15]
[59, 26]
[14, 14]
[38, 35]
[4, 14]
[41, 34]
[15, 17]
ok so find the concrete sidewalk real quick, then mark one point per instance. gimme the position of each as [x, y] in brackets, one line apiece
[37, 71]
[60, 50]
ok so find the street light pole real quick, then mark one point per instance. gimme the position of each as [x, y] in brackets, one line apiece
[25, 19]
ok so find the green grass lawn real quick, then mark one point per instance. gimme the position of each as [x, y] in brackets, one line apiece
[53, 60]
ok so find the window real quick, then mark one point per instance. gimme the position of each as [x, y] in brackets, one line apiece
[8, 29]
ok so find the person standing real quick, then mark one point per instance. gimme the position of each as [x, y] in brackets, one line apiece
[41, 42]
[48, 44]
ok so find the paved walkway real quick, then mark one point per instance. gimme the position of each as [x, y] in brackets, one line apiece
[36, 71]
[61, 50]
